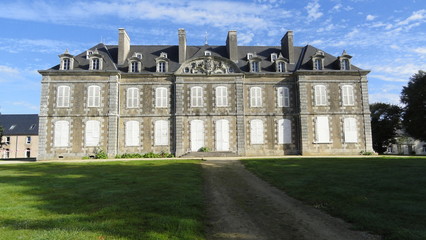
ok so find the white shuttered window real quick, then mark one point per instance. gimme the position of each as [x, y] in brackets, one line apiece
[255, 97]
[350, 130]
[132, 98]
[61, 134]
[63, 99]
[161, 133]
[196, 97]
[284, 131]
[322, 129]
[222, 135]
[347, 95]
[283, 97]
[94, 96]
[256, 131]
[132, 133]
[92, 133]
[320, 95]
[161, 97]
[221, 96]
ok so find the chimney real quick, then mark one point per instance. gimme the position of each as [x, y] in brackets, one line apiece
[123, 46]
[287, 48]
[182, 45]
[232, 46]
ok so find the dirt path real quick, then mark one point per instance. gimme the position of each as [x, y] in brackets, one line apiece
[241, 206]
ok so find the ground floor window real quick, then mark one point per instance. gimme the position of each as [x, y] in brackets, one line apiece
[6, 153]
[28, 153]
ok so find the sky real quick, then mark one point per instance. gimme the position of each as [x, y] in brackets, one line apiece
[387, 37]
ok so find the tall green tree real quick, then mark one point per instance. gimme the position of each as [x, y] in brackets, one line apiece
[414, 97]
[1, 136]
[385, 121]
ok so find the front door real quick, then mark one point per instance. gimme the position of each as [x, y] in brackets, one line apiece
[197, 135]
[222, 135]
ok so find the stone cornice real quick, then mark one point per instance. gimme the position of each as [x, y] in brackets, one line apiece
[333, 72]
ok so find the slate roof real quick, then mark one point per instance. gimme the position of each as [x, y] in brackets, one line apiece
[24, 124]
[151, 52]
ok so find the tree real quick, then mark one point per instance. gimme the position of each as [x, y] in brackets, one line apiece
[1, 136]
[414, 98]
[385, 121]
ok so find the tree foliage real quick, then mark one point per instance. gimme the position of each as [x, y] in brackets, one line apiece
[385, 121]
[414, 97]
[1, 136]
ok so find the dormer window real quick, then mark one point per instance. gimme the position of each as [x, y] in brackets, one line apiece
[134, 66]
[95, 61]
[254, 66]
[67, 61]
[249, 56]
[317, 64]
[344, 61]
[318, 60]
[280, 66]
[88, 53]
[95, 64]
[273, 57]
[138, 55]
[162, 63]
[161, 66]
[207, 53]
[163, 55]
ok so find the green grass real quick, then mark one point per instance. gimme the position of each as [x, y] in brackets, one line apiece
[114, 200]
[386, 196]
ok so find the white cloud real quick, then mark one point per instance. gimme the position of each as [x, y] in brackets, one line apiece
[416, 16]
[8, 70]
[27, 105]
[388, 78]
[421, 50]
[392, 98]
[313, 9]
[245, 38]
[370, 17]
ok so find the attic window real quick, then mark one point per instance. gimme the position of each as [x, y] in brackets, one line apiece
[345, 64]
[95, 64]
[139, 55]
[207, 53]
[32, 126]
[12, 127]
[280, 66]
[273, 57]
[163, 55]
[249, 56]
[88, 53]
[317, 64]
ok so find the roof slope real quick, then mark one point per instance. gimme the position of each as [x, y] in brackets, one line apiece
[19, 124]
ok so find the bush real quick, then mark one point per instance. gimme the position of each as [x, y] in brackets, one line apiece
[100, 154]
[146, 155]
[366, 153]
[204, 149]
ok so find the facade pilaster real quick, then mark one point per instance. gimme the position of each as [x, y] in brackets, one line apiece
[43, 120]
[113, 115]
[178, 121]
[241, 130]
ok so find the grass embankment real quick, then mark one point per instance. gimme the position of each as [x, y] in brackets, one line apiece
[114, 200]
[386, 196]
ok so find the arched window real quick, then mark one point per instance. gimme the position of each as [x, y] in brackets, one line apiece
[348, 95]
[221, 96]
[350, 130]
[63, 96]
[132, 133]
[132, 98]
[161, 97]
[284, 131]
[93, 96]
[255, 97]
[92, 133]
[161, 133]
[61, 134]
[196, 97]
[320, 95]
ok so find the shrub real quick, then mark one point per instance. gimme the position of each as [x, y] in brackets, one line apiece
[365, 153]
[100, 154]
[204, 149]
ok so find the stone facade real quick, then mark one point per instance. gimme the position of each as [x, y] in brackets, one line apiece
[246, 100]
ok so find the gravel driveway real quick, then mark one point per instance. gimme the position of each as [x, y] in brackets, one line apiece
[241, 206]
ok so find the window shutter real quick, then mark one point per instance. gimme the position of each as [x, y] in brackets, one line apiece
[280, 96]
[320, 95]
[161, 97]
[255, 97]
[222, 135]
[221, 96]
[92, 133]
[350, 130]
[322, 129]
[161, 132]
[286, 97]
[280, 131]
[61, 134]
[132, 133]
[284, 131]
[196, 97]
[256, 131]
[347, 95]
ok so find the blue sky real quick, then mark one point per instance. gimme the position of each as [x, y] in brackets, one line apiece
[387, 37]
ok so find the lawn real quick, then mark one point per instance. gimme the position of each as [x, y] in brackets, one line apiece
[101, 201]
[386, 196]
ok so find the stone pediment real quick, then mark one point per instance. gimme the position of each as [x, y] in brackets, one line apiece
[208, 65]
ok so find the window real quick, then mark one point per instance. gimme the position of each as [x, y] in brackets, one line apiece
[94, 96]
[27, 153]
[6, 153]
[255, 97]
[320, 95]
[66, 64]
[132, 133]
[139, 55]
[161, 66]
[134, 67]
[322, 130]
[161, 133]
[63, 99]
[424, 148]
[284, 131]
[348, 95]
[161, 97]
[88, 53]
[221, 96]
[207, 53]
[283, 97]
[256, 131]
[95, 64]
[350, 130]
[345, 64]
[32, 126]
[61, 134]
[28, 140]
[273, 57]
[317, 64]
[12, 127]
[132, 99]
[196, 97]
[7, 140]
[254, 66]
[249, 56]
[92, 133]
[280, 67]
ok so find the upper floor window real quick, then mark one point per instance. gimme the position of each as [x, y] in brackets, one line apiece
[254, 66]
[350, 130]
[28, 140]
[322, 130]
[280, 66]
[196, 97]
[255, 97]
[249, 56]
[161, 97]
[61, 134]
[283, 97]
[221, 96]
[94, 96]
[284, 131]
[345, 64]
[161, 66]
[7, 141]
[132, 99]
[318, 64]
[161, 133]
[132, 133]
[95, 64]
[348, 95]
[66, 62]
[92, 133]
[256, 131]
[273, 57]
[207, 53]
[63, 96]
[320, 95]
[134, 66]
